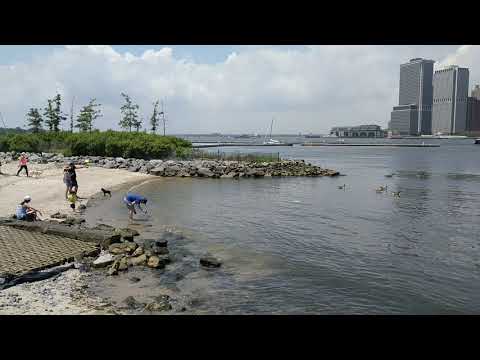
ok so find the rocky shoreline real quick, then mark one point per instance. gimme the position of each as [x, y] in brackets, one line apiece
[119, 251]
[185, 168]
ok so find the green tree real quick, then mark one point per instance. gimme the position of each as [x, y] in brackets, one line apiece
[129, 114]
[49, 115]
[155, 118]
[53, 113]
[34, 120]
[88, 114]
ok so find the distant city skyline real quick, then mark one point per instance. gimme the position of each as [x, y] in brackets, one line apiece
[226, 89]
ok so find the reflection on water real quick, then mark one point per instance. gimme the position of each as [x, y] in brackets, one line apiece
[301, 245]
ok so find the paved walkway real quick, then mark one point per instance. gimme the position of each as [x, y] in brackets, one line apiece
[23, 251]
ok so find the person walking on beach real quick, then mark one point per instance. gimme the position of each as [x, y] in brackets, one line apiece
[67, 179]
[26, 212]
[134, 199]
[23, 164]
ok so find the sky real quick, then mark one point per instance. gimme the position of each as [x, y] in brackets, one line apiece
[227, 89]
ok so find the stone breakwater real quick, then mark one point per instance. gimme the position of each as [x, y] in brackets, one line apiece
[186, 168]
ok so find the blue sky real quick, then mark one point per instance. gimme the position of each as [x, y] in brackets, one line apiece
[210, 88]
[209, 54]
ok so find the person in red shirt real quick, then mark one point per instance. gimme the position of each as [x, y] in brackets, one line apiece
[23, 164]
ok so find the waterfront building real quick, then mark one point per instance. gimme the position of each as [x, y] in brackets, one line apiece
[476, 92]
[413, 115]
[367, 131]
[450, 100]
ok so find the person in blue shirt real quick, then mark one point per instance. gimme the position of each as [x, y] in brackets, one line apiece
[26, 212]
[134, 199]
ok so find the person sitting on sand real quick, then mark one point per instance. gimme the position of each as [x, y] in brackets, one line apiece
[134, 199]
[72, 199]
[26, 212]
[23, 164]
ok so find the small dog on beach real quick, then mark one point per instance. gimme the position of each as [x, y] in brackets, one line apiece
[105, 192]
[36, 173]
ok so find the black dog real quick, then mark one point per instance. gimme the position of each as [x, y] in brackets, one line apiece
[105, 192]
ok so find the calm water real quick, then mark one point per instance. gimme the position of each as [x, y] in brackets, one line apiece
[301, 245]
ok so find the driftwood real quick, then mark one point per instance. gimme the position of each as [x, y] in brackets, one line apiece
[11, 280]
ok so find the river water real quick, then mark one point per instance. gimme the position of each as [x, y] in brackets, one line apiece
[303, 246]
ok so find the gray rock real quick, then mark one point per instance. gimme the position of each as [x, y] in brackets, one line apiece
[161, 303]
[139, 251]
[110, 165]
[158, 171]
[210, 261]
[139, 260]
[132, 303]
[103, 261]
[122, 248]
[155, 262]
[204, 172]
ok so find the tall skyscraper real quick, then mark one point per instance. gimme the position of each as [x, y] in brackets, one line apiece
[450, 100]
[413, 116]
[473, 111]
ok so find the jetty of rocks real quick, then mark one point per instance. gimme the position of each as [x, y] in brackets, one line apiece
[186, 168]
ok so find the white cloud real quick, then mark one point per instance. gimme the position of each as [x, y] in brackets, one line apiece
[306, 88]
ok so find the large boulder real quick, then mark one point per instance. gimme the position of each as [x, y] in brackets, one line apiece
[204, 172]
[210, 261]
[155, 262]
[134, 168]
[139, 260]
[122, 248]
[103, 261]
[172, 170]
[158, 171]
[110, 165]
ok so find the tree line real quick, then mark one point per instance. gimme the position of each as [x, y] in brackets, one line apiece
[52, 116]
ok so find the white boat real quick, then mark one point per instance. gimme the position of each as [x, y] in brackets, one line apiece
[439, 135]
[270, 141]
[452, 137]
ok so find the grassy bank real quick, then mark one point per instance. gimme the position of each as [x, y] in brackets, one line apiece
[96, 143]
[218, 155]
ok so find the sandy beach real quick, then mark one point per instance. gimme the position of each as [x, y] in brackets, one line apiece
[48, 190]
[64, 294]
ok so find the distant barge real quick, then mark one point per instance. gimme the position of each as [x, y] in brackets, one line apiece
[347, 144]
[205, 145]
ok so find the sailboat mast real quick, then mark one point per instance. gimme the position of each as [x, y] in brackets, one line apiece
[271, 127]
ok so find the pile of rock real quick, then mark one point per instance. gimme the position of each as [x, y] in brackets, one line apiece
[190, 168]
[121, 256]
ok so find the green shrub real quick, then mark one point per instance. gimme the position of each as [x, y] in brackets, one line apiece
[96, 143]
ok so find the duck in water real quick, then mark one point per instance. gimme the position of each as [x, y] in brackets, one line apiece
[381, 189]
[396, 193]
[342, 187]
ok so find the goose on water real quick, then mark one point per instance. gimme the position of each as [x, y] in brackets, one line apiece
[396, 193]
[381, 189]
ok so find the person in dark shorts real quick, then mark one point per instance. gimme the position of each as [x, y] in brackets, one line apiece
[134, 199]
[23, 164]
